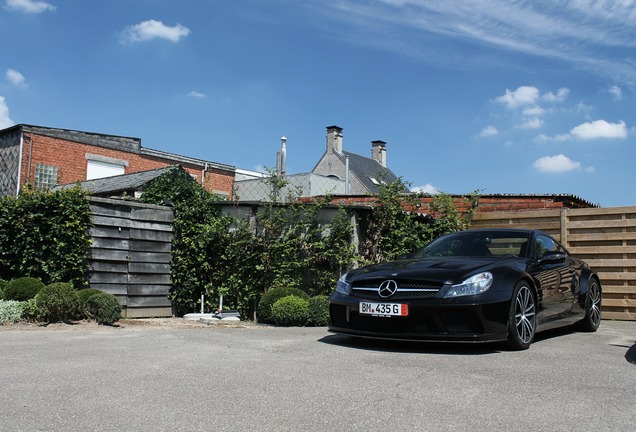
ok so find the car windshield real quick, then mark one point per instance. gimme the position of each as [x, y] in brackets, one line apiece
[477, 244]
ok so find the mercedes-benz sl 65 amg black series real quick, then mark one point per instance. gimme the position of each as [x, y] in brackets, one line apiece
[471, 286]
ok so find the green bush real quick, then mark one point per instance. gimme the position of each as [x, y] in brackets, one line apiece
[290, 311]
[31, 312]
[264, 310]
[10, 311]
[104, 308]
[22, 289]
[84, 295]
[2, 285]
[58, 302]
[318, 313]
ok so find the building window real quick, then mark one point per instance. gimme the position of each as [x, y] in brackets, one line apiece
[45, 176]
[99, 169]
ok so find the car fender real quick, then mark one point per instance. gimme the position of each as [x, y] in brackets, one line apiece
[586, 275]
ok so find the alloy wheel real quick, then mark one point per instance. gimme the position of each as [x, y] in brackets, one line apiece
[525, 314]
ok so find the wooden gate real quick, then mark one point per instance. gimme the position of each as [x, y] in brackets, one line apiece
[130, 255]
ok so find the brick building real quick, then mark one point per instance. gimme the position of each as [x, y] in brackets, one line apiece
[44, 157]
[485, 204]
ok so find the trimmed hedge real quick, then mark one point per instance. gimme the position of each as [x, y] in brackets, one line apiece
[318, 313]
[58, 302]
[264, 310]
[104, 308]
[290, 311]
[22, 289]
[84, 295]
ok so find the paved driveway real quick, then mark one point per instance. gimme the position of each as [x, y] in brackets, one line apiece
[305, 379]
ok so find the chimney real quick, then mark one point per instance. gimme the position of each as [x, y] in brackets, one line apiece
[378, 152]
[334, 139]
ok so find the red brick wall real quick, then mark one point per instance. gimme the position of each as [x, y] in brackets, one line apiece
[70, 158]
[485, 204]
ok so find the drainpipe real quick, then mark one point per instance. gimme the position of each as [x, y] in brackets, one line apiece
[17, 192]
[347, 175]
[205, 168]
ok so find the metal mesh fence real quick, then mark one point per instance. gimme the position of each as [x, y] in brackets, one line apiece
[295, 186]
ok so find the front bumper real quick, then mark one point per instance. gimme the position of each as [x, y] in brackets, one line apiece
[435, 319]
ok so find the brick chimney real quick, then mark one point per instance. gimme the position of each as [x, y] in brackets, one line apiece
[378, 152]
[334, 139]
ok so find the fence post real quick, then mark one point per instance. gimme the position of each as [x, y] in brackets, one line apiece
[564, 227]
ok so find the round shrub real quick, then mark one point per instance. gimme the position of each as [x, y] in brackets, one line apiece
[10, 311]
[84, 295]
[318, 313]
[290, 311]
[264, 310]
[22, 289]
[104, 308]
[31, 311]
[2, 285]
[58, 302]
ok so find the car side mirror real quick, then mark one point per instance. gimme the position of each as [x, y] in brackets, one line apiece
[552, 257]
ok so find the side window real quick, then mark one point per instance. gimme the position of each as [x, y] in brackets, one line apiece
[45, 176]
[545, 244]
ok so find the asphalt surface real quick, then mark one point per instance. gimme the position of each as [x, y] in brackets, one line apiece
[306, 379]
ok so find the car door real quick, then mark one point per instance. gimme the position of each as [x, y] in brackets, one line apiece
[553, 272]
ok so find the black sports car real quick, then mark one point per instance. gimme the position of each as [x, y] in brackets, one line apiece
[471, 286]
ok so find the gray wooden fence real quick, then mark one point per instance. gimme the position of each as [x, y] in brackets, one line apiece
[130, 255]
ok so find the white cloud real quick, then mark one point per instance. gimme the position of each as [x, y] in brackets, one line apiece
[556, 138]
[30, 6]
[599, 129]
[16, 78]
[555, 164]
[587, 34]
[5, 120]
[153, 29]
[533, 111]
[532, 123]
[195, 94]
[427, 189]
[524, 95]
[488, 131]
[617, 92]
[560, 95]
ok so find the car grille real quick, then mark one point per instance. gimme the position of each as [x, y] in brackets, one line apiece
[406, 290]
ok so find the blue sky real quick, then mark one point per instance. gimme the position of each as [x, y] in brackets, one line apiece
[501, 96]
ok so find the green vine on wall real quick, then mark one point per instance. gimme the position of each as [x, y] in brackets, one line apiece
[282, 245]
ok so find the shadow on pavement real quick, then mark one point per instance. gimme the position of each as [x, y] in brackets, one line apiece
[411, 347]
[456, 348]
[630, 355]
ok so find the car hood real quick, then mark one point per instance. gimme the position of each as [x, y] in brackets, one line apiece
[438, 269]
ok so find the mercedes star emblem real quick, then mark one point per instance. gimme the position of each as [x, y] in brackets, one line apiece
[387, 288]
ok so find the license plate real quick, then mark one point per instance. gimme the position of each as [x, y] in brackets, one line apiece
[384, 309]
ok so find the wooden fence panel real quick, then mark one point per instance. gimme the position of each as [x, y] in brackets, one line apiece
[604, 237]
[131, 254]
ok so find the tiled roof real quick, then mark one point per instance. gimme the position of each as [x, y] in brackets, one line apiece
[369, 171]
[121, 183]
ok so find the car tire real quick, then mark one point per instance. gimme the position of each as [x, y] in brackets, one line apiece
[522, 320]
[592, 318]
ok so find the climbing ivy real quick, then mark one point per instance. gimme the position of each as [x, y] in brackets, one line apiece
[282, 245]
[45, 235]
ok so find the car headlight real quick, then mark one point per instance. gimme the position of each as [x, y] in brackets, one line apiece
[343, 286]
[474, 285]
